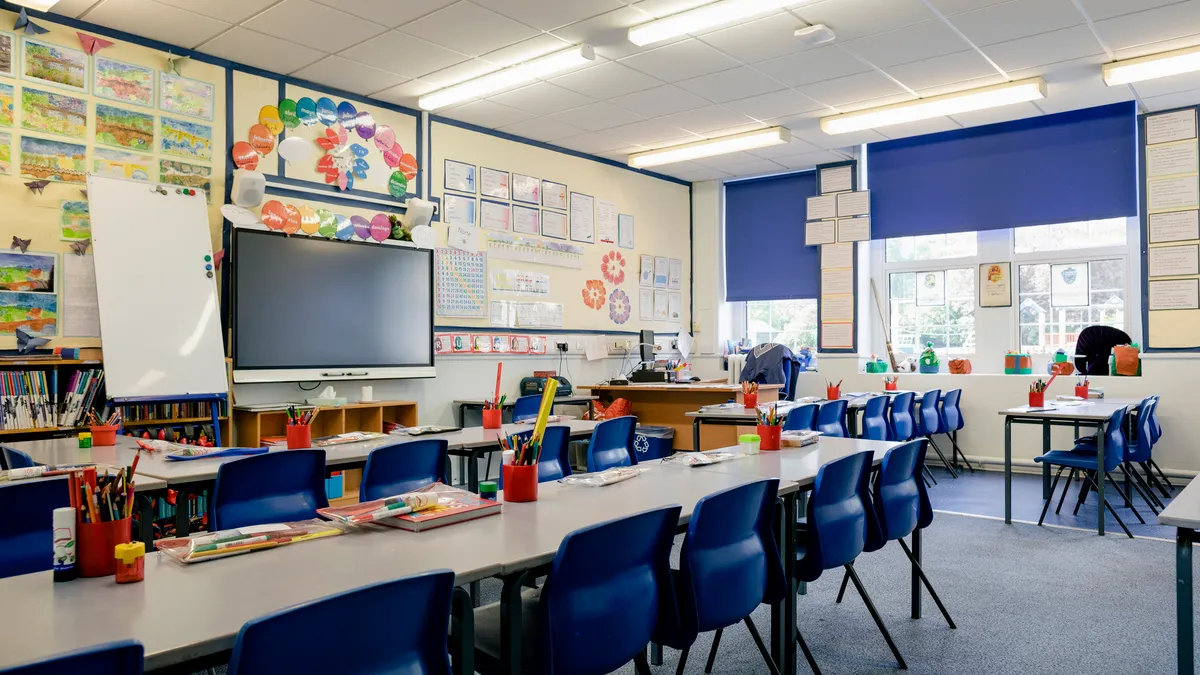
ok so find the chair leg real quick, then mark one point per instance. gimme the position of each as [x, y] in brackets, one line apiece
[875, 615]
[762, 648]
[1049, 497]
[1128, 501]
[812, 663]
[712, 653]
[640, 665]
[842, 592]
[928, 475]
[1166, 480]
[1143, 490]
[683, 656]
[1114, 513]
[1155, 481]
[959, 453]
[1066, 488]
[945, 462]
[928, 585]
[1084, 488]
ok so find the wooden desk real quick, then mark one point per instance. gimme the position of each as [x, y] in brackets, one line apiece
[667, 405]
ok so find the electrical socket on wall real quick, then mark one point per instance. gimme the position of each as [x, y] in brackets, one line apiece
[562, 346]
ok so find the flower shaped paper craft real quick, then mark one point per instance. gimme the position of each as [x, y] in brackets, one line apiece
[619, 306]
[343, 161]
[612, 266]
[594, 294]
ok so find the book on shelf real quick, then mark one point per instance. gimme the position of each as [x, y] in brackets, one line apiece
[25, 400]
[79, 396]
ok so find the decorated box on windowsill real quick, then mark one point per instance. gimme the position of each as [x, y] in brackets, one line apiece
[1017, 364]
[876, 365]
[929, 363]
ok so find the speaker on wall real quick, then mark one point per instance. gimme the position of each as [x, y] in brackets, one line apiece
[249, 188]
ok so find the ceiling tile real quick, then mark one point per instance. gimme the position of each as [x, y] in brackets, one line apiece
[810, 132]
[691, 171]
[542, 129]
[406, 93]
[1179, 100]
[335, 71]
[73, 8]
[1016, 111]
[852, 19]
[705, 120]
[522, 51]
[914, 43]
[1084, 89]
[621, 155]
[680, 61]
[596, 142]
[728, 85]
[809, 160]
[468, 28]
[159, 22]
[597, 116]
[541, 98]
[307, 22]
[950, 7]
[486, 114]
[1016, 19]
[1155, 25]
[775, 104]
[942, 70]
[261, 51]
[759, 40]
[399, 53]
[390, 13]
[1156, 47]
[815, 65]
[607, 33]
[663, 100]
[752, 167]
[874, 103]
[607, 80]
[1167, 85]
[792, 147]
[460, 72]
[1099, 10]
[851, 89]
[649, 132]
[955, 87]
[1047, 48]
[231, 11]
[657, 9]
[920, 127]
[739, 129]
[550, 15]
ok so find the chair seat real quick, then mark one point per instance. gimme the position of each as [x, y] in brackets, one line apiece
[487, 634]
[1069, 458]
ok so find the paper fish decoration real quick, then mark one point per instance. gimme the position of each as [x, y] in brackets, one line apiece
[36, 186]
[30, 27]
[92, 44]
[174, 63]
[27, 342]
[81, 247]
[20, 243]
[217, 258]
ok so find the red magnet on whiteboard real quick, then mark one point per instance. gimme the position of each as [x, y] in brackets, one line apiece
[274, 215]
[292, 226]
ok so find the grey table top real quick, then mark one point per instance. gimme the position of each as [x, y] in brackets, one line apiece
[1091, 411]
[741, 413]
[1184, 510]
[141, 483]
[558, 400]
[795, 465]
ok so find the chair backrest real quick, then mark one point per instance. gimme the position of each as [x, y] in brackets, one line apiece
[380, 646]
[527, 407]
[952, 419]
[114, 658]
[606, 590]
[925, 515]
[801, 418]
[26, 518]
[897, 497]
[403, 467]
[930, 421]
[1115, 448]
[553, 463]
[837, 516]
[903, 425]
[15, 459]
[831, 418]
[1155, 427]
[874, 420]
[280, 486]
[612, 444]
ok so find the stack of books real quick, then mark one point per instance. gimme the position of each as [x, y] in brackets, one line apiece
[79, 396]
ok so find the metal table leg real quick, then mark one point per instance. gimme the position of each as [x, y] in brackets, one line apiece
[1045, 466]
[696, 434]
[1185, 638]
[145, 509]
[801, 507]
[462, 621]
[1100, 481]
[1008, 469]
[916, 577]
[783, 613]
[183, 514]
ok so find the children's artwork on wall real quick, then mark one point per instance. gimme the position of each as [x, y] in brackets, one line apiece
[125, 82]
[8, 48]
[92, 44]
[185, 96]
[7, 96]
[124, 128]
[187, 175]
[189, 140]
[619, 306]
[37, 312]
[19, 243]
[44, 159]
[612, 266]
[30, 28]
[594, 294]
[122, 164]
[28, 272]
[5, 153]
[54, 64]
[74, 222]
[53, 113]
[343, 161]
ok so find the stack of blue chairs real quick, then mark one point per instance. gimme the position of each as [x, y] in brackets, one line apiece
[930, 423]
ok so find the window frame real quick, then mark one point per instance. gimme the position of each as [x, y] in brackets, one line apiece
[935, 265]
[745, 306]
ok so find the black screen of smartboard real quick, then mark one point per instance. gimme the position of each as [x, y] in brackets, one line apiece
[313, 303]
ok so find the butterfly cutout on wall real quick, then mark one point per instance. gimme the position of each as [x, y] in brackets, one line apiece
[92, 44]
[217, 258]
[27, 342]
[36, 186]
[30, 27]
[81, 247]
[174, 63]
[20, 243]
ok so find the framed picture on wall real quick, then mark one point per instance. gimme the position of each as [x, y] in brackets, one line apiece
[995, 284]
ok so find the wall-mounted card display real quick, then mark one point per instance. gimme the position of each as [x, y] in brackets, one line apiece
[583, 218]
[554, 224]
[1170, 159]
[625, 230]
[1175, 294]
[837, 281]
[931, 288]
[662, 271]
[837, 255]
[1174, 226]
[646, 271]
[1173, 261]
[525, 189]
[460, 176]
[819, 232]
[526, 220]
[1173, 194]
[493, 183]
[822, 207]
[837, 179]
[854, 204]
[837, 308]
[523, 282]
[1167, 127]
[854, 229]
[554, 195]
[606, 221]
[674, 306]
[675, 275]
[661, 306]
[646, 304]
[459, 210]
[995, 284]
[837, 335]
[496, 216]
[1070, 285]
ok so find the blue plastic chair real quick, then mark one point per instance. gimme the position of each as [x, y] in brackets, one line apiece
[553, 463]
[929, 424]
[728, 566]
[903, 426]
[26, 517]
[379, 646]
[839, 526]
[1137, 454]
[606, 594]
[801, 418]
[114, 658]
[403, 467]
[612, 444]
[874, 420]
[831, 419]
[281, 486]
[15, 459]
[527, 408]
[1155, 434]
[952, 421]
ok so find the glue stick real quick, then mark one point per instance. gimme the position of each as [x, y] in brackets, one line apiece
[63, 522]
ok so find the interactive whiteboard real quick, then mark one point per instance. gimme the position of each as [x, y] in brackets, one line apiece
[160, 324]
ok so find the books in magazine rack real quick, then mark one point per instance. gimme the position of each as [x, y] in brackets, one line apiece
[454, 506]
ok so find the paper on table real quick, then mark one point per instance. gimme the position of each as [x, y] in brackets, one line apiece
[837, 179]
[820, 232]
[837, 282]
[1173, 126]
[662, 270]
[646, 304]
[661, 309]
[1169, 194]
[854, 203]
[1166, 261]
[837, 308]
[675, 275]
[463, 238]
[1177, 294]
[834, 256]
[1174, 226]
[625, 230]
[80, 309]
[1172, 158]
[646, 271]
[854, 229]
[685, 341]
[822, 207]
[606, 222]
[837, 335]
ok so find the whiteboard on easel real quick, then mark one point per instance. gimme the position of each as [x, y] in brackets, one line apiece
[160, 320]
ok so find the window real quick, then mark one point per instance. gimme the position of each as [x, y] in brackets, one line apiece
[1044, 329]
[932, 247]
[792, 323]
[1070, 236]
[949, 324]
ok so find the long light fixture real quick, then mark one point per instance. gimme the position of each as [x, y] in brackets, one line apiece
[1154, 66]
[937, 106]
[510, 77]
[702, 18]
[711, 147]
[39, 5]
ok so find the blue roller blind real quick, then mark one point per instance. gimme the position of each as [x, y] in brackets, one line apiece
[1062, 168]
[765, 255]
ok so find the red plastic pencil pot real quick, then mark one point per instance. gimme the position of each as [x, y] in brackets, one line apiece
[833, 393]
[299, 436]
[889, 386]
[1037, 399]
[750, 401]
[491, 418]
[1081, 391]
[520, 482]
[102, 436]
[97, 542]
[768, 437]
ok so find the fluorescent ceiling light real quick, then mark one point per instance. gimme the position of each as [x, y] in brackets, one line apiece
[937, 106]
[711, 147]
[1151, 67]
[701, 18]
[508, 78]
[39, 5]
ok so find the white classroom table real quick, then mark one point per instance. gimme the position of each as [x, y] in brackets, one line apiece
[1183, 514]
[462, 405]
